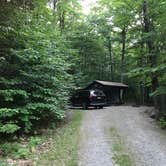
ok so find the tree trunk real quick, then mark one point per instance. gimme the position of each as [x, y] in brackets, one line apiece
[123, 52]
[163, 105]
[54, 4]
[62, 20]
[110, 57]
[148, 27]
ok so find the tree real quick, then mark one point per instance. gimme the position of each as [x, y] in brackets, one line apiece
[34, 80]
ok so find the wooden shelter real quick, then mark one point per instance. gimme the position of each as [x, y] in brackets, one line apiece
[113, 90]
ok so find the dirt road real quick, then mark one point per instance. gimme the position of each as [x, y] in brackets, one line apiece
[142, 141]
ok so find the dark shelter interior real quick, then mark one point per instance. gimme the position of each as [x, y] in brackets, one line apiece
[114, 91]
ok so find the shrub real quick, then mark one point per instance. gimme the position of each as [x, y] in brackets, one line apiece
[34, 79]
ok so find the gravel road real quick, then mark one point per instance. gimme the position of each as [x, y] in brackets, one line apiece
[144, 141]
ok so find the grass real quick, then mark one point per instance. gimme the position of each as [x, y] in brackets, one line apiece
[122, 160]
[65, 145]
[120, 154]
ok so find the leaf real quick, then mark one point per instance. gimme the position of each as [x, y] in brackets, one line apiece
[159, 91]
[9, 128]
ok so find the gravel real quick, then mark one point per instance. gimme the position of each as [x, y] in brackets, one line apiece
[94, 148]
[144, 141]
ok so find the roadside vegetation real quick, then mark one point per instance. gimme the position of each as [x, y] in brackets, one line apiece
[65, 142]
[57, 146]
[120, 155]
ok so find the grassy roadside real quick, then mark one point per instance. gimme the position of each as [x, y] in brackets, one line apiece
[120, 154]
[53, 147]
[64, 145]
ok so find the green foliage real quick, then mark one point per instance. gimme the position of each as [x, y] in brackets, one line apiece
[9, 128]
[15, 150]
[9, 94]
[34, 141]
[159, 91]
[22, 153]
[34, 79]
[20, 150]
[162, 123]
[9, 148]
[7, 112]
[144, 60]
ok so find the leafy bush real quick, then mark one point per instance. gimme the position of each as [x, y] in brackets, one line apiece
[34, 79]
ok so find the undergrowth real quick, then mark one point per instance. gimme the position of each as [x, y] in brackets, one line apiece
[56, 146]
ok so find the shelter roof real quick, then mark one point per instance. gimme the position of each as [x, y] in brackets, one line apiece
[108, 83]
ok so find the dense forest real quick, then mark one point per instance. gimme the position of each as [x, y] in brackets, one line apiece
[49, 48]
